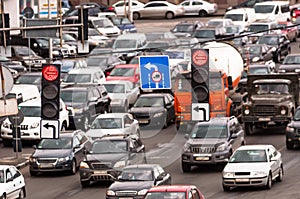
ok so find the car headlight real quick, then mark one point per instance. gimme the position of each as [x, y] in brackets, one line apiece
[259, 173]
[142, 192]
[283, 111]
[35, 125]
[120, 164]
[110, 192]
[32, 159]
[247, 111]
[78, 110]
[84, 165]
[290, 129]
[158, 114]
[222, 147]
[228, 174]
[187, 148]
[65, 159]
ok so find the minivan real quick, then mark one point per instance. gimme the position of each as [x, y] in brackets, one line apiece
[241, 16]
[273, 10]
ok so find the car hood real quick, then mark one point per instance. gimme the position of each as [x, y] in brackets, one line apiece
[206, 141]
[146, 109]
[107, 157]
[51, 153]
[131, 185]
[94, 133]
[246, 167]
[270, 98]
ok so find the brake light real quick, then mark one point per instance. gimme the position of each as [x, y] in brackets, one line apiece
[110, 8]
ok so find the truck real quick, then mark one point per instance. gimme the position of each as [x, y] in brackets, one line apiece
[226, 66]
[272, 100]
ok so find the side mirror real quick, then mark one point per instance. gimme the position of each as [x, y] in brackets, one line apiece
[159, 178]
[34, 147]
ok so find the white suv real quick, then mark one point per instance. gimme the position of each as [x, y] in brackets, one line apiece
[30, 127]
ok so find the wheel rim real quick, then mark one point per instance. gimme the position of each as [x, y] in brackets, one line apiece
[22, 195]
[169, 15]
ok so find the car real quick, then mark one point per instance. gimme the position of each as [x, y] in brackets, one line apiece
[246, 4]
[274, 10]
[107, 157]
[186, 28]
[219, 22]
[127, 72]
[212, 142]
[178, 55]
[33, 78]
[292, 129]
[257, 53]
[241, 16]
[69, 64]
[152, 36]
[289, 30]
[12, 182]
[158, 9]
[234, 30]
[122, 93]
[160, 45]
[182, 191]
[27, 57]
[209, 33]
[14, 65]
[121, 7]
[253, 165]
[112, 124]
[135, 180]
[260, 69]
[291, 63]
[85, 103]
[89, 75]
[260, 27]
[59, 155]
[23, 92]
[124, 24]
[279, 41]
[30, 127]
[154, 109]
[199, 7]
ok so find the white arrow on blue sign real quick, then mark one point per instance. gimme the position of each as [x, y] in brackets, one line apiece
[155, 72]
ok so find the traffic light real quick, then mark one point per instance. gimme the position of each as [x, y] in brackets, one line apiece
[83, 30]
[50, 92]
[200, 75]
[6, 41]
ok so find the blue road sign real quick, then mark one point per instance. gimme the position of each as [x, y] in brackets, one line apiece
[155, 72]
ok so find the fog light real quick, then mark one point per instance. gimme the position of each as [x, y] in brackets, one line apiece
[283, 111]
[247, 111]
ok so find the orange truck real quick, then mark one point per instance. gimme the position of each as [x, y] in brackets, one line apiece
[226, 67]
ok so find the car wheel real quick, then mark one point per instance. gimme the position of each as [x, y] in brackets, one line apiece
[3, 196]
[289, 145]
[280, 174]
[186, 167]
[248, 128]
[226, 188]
[202, 13]
[169, 15]
[22, 193]
[85, 122]
[73, 167]
[269, 182]
[165, 122]
[136, 15]
[85, 184]
[33, 173]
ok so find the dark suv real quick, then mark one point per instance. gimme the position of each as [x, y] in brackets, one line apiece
[293, 131]
[212, 142]
[85, 103]
[108, 155]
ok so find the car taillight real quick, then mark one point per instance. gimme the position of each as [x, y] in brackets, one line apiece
[111, 8]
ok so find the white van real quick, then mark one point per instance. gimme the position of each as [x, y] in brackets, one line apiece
[273, 10]
[241, 16]
[24, 92]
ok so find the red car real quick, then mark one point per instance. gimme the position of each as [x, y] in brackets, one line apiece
[174, 191]
[129, 72]
[289, 29]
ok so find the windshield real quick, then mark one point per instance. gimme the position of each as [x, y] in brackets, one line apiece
[258, 28]
[74, 96]
[215, 23]
[77, 78]
[125, 43]
[121, 21]
[149, 102]
[43, 42]
[272, 40]
[61, 143]
[107, 123]
[103, 23]
[165, 195]
[29, 79]
[31, 111]
[264, 9]
[109, 146]
[137, 174]
[245, 156]
[209, 131]
[234, 17]
[125, 72]
[175, 54]
[115, 88]
[204, 34]
[252, 50]
[232, 29]
[291, 60]
[184, 28]
[97, 61]
[24, 51]
[271, 88]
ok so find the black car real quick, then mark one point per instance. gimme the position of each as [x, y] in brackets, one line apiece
[257, 53]
[107, 157]
[85, 103]
[291, 63]
[186, 28]
[63, 154]
[292, 131]
[279, 41]
[154, 109]
[135, 180]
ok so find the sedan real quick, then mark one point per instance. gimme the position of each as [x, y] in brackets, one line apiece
[199, 7]
[253, 165]
[12, 184]
[113, 123]
[122, 6]
[291, 63]
[135, 180]
[257, 53]
[158, 9]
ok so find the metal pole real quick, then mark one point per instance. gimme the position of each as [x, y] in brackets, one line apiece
[3, 23]
[16, 129]
[50, 39]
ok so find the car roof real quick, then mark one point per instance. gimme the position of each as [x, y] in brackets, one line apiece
[255, 146]
[171, 188]
[216, 120]
[84, 70]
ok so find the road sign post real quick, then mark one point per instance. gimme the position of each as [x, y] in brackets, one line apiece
[49, 129]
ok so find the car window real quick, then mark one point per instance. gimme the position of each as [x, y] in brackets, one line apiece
[185, 3]
[197, 3]
[76, 141]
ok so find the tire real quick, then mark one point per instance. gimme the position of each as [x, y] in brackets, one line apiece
[22, 193]
[269, 182]
[165, 122]
[289, 145]
[226, 188]
[280, 175]
[169, 15]
[63, 127]
[6, 142]
[33, 173]
[3, 196]
[248, 128]
[136, 15]
[203, 13]
[186, 167]
[85, 184]
[73, 169]
[85, 122]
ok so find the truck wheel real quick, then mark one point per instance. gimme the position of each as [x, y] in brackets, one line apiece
[186, 167]
[289, 145]
[248, 128]
[226, 188]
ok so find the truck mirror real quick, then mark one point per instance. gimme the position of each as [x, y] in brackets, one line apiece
[229, 81]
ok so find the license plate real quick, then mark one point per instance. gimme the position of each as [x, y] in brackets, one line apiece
[202, 158]
[143, 121]
[45, 166]
[264, 119]
[242, 180]
[100, 172]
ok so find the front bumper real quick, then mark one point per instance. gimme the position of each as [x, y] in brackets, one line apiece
[109, 175]
[205, 158]
[244, 182]
[30, 134]
[50, 167]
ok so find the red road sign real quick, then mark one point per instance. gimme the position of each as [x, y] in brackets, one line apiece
[200, 57]
[50, 72]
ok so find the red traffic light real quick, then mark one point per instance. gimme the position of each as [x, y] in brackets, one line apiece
[50, 72]
[200, 57]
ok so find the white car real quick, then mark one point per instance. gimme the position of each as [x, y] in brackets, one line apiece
[30, 127]
[12, 183]
[113, 124]
[199, 7]
[122, 94]
[253, 165]
[121, 6]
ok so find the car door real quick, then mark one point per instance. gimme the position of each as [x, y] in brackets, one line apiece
[187, 7]
[272, 161]
[10, 185]
[196, 7]
[17, 179]
[169, 105]
[152, 9]
[78, 149]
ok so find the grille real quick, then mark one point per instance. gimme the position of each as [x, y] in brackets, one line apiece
[265, 110]
[103, 177]
[242, 173]
[203, 149]
[126, 193]
[48, 161]
[101, 166]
